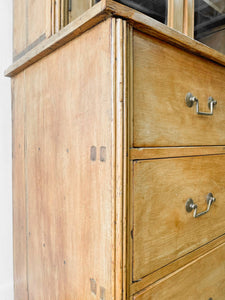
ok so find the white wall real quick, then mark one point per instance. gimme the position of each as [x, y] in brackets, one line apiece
[6, 256]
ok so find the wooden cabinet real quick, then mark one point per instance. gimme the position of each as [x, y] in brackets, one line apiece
[106, 157]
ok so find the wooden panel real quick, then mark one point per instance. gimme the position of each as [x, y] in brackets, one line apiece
[181, 16]
[149, 153]
[163, 75]
[32, 24]
[105, 9]
[176, 14]
[70, 217]
[188, 21]
[161, 189]
[19, 195]
[175, 265]
[37, 21]
[94, 16]
[78, 7]
[19, 26]
[202, 279]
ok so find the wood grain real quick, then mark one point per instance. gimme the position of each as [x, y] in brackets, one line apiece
[176, 14]
[154, 28]
[109, 8]
[69, 196]
[36, 19]
[78, 8]
[181, 16]
[174, 266]
[202, 279]
[93, 16]
[19, 190]
[19, 27]
[161, 189]
[164, 152]
[188, 26]
[163, 75]
[119, 66]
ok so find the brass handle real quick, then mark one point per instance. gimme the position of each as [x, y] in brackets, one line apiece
[190, 205]
[190, 100]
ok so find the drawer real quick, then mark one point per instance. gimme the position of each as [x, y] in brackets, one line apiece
[203, 279]
[162, 77]
[163, 231]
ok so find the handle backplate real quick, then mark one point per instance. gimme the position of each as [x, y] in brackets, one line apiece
[190, 100]
[190, 205]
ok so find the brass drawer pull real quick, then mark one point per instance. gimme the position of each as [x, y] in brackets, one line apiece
[190, 99]
[190, 205]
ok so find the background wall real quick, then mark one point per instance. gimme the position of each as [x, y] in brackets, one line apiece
[6, 256]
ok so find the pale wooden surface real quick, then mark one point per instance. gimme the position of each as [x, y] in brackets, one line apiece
[69, 208]
[19, 26]
[31, 24]
[162, 229]
[181, 16]
[19, 190]
[164, 152]
[152, 27]
[174, 266]
[36, 19]
[66, 113]
[200, 280]
[176, 14]
[93, 16]
[78, 8]
[188, 26]
[163, 75]
[119, 163]
[109, 8]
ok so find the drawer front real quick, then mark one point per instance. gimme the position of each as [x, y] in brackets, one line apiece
[163, 230]
[163, 75]
[202, 280]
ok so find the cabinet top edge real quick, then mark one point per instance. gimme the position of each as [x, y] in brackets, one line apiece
[100, 12]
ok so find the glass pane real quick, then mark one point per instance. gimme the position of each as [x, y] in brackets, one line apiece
[210, 23]
[156, 9]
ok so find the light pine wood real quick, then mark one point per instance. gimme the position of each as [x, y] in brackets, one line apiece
[164, 152]
[19, 189]
[176, 14]
[163, 75]
[93, 16]
[202, 279]
[163, 230]
[174, 266]
[188, 22]
[32, 24]
[19, 27]
[181, 16]
[120, 32]
[36, 19]
[70, 201]
[152, 27]
[91, 207]
[102, 10]
[78, 8]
